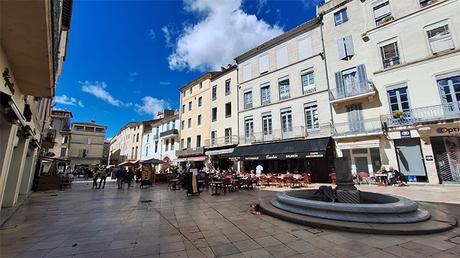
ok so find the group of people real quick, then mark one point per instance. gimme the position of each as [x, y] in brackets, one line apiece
[100, 173]
[390, 177]
[124, 176]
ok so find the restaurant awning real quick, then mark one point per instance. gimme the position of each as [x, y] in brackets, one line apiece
[196, 158]
[219, 152]
[315, 148]
[152, 161]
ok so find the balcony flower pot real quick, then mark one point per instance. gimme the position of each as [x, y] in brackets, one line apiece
[398, 114]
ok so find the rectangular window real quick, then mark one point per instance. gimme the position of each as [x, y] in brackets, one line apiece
[183, 109]
[135, 154]
[263, 64]
[166, 145]
[146, 150]
[346, 48]
[189, 106]
[182, 124]
[214, 114]
[190, 90]
[198, 141]
[248, 99]
[265, 94]
[201, 85]
[247, 71]
[340, 17]
[355, 118]
[311, 117]
[308, 82]
[228, 109]
[199, 120]
[399, 100]
[390, 54]
[200, 101]
[228, 135]
[214, 92]
[439, 37]
[249, 129]
[213, 138]
[189, 123]
[286, 121]
[283, 85]
[148, 136]
[305, 48]
[352, 82]
[281, 57]
[189, 142]
[172, 144]
[182, 143]
[156, 146]
[424, 3]
[63, 152]
[137, 137]
[382, 13]
[228, 88]
[267, 127]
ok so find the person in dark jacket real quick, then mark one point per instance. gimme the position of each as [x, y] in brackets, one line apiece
[120, 175]
[129, 177]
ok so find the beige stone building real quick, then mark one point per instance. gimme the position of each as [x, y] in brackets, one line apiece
[223, 134]
[33, 42]
[284, 111]
[57, 137]
[127, 144]
[87, 145]
[195, 120]
[394, 68]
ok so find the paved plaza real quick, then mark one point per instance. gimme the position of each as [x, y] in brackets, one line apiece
[156, 222]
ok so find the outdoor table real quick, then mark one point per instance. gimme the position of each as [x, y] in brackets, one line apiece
[175, 184]
[216, 185]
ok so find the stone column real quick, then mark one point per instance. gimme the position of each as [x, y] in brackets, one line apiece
[430, 165]
[10, 196]
[7, 137]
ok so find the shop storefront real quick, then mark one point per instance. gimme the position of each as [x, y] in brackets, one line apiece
[302, 156]
[220, 159]
[445, 141]
[363, 156]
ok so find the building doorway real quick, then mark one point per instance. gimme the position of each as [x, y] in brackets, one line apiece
[410, 158]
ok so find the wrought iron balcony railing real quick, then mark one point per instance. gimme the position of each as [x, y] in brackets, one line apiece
[171, 132]
[222, 141]
[424, 115]
[299, 132]
[358, 127]
[352, 90]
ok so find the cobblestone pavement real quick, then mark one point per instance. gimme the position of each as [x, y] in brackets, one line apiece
[156, 222]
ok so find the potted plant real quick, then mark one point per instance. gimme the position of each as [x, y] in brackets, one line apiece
[398, 114]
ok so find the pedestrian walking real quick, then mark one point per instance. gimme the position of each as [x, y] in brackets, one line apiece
[129, 177]
[95, 177]
[103, 176]
[120, 175]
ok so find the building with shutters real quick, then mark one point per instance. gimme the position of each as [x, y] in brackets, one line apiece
[284, 113]
[87, 145]
[126, 145]
[394, 75]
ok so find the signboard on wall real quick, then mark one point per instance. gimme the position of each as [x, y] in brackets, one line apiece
[405, 134]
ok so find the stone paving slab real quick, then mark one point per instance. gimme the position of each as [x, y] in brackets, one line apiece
[81, 222]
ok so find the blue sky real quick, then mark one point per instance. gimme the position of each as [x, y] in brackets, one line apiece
[127, 59]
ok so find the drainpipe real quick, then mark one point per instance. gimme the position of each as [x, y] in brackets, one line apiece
[237, 114]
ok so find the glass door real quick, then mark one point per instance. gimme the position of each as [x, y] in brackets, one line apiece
[450, 95]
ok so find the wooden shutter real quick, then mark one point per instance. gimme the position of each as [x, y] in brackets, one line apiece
[340, 91]
[341, 46]
[349, 46]
[362, 76]
[305, 48]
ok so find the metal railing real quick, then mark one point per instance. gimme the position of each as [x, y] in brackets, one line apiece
[222, 141]
[298, 132]
[190, 151]
[169, 133]
[365, 126]
[350, 90]
[424, 114]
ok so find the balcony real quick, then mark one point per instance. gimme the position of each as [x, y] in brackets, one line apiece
[358, 128]
[169, 133]
[355, 90]
[190, 151]
[428, 114]
[49, 139]
[222, 141]
[299, 132]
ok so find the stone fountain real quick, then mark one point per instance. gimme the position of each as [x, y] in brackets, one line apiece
[347, 208]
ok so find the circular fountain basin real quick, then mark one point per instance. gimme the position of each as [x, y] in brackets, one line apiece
[375, 208]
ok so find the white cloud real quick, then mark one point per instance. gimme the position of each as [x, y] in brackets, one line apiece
[261, 5]
[98, 89]
[64, 100]
[151, 106]
[224, 32]
[168, 36]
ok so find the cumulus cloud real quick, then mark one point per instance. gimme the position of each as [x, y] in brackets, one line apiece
[64, 100]
[98, 89]
[168, 36]
[151, 106]
[223, 32]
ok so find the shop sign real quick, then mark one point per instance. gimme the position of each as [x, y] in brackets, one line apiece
[271, 157]
[292, 156]
[448, 130]
[405, 134]
[429, 157]
[251, 158]
[234, 158]
[314, 155]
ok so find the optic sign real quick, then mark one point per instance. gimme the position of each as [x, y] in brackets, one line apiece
[448, 130]
[405, 134]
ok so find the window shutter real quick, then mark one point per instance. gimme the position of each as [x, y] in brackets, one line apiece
[247, 72]
[281, 57]
[305, 48]
[382, 11]
[342, 51]
[263, 64]
[362, 76]
[340, 85]
[350, 50]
